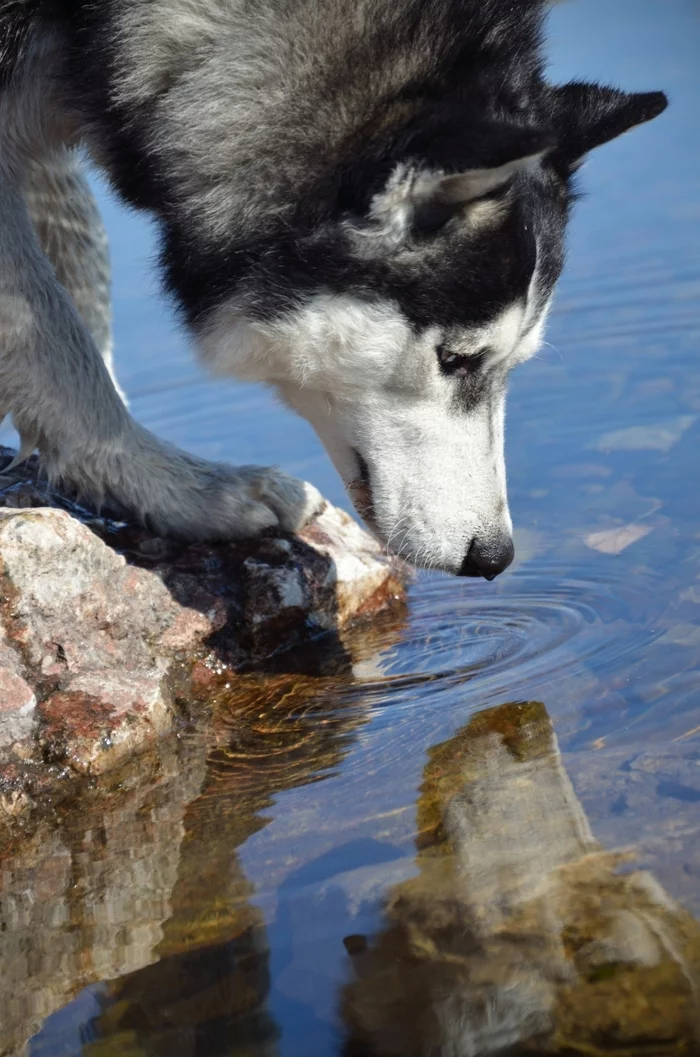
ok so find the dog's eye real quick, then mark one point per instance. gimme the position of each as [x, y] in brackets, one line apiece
[456, 363]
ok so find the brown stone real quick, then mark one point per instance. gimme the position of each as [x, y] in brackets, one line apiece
[102, 717]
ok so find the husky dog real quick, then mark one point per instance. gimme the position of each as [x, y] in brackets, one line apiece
[361, 202]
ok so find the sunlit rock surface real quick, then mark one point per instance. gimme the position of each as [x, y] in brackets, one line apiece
[98, 619]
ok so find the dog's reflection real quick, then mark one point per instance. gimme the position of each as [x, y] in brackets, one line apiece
[519, 934]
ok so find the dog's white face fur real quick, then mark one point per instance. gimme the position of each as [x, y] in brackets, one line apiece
[433, 478]
[418, 444]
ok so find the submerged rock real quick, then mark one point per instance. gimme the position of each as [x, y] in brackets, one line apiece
[99, 620]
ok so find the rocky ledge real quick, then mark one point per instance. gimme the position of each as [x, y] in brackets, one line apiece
[106, 630]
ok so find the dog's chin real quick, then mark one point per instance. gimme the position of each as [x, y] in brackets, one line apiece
[360, 493]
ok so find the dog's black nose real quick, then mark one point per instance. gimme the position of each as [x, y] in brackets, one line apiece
[488, 558]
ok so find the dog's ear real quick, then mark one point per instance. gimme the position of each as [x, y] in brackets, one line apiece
[421, 197]
[434, 199]
[437, 142]
[479, 157]
[585, 116]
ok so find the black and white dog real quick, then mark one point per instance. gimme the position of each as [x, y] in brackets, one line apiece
[361, 202]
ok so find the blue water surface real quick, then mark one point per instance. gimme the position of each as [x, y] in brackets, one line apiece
[206, 873]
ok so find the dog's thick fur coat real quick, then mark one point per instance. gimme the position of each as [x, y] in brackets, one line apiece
[362, 204]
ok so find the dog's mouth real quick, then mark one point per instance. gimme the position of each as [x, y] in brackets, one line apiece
[360, 491]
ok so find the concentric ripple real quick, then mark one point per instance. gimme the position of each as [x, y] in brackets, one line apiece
[507, 642]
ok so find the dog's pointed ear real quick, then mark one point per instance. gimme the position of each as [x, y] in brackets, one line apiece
[585, 116]
[435, 198]
[420, 197]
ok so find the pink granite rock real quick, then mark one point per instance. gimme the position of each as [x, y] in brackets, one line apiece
[17, 705]
[99, 717]
[72, 604]
[96, 615]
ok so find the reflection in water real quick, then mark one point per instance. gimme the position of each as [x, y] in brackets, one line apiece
[83, 900]
[207, 992]
[143, 888]
[520, 934]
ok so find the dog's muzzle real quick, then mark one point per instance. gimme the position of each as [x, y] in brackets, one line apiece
[486, 557]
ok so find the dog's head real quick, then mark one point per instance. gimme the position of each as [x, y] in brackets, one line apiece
[412, 304]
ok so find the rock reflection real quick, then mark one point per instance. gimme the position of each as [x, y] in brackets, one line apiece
[520, 935]
[207, 992]
[83, 898]
[137, 886]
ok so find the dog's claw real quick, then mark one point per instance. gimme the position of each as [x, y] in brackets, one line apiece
[27, 445]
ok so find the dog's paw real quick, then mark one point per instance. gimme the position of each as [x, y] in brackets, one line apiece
[216, 503]
[292, 502]
[198, 501]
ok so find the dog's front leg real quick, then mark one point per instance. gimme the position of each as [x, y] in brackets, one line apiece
[69, 227]
[56, 386]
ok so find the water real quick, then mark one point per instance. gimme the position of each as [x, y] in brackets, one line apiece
[200, 907]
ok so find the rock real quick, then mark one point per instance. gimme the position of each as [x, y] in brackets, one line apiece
[94, 723]
[17, 704]
[331, 574]
[72, 604]
[97, 617]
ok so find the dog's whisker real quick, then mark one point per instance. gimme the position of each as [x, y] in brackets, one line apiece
[548, 345]
[394, 533]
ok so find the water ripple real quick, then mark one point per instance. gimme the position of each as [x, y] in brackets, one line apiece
[530, 630]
